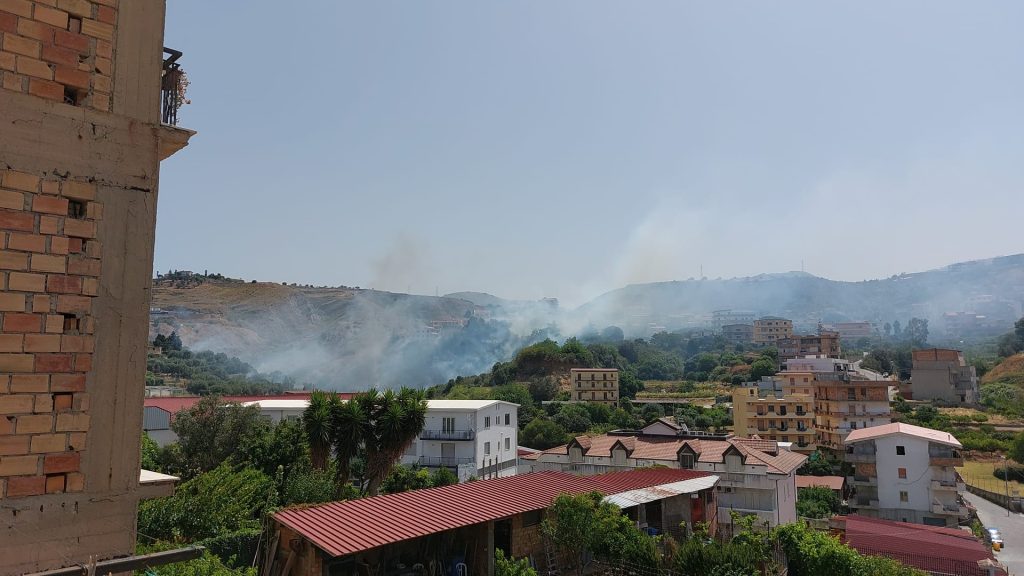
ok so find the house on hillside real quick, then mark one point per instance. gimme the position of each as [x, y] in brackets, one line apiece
[758, 477]
[456, 529]
[596, 385]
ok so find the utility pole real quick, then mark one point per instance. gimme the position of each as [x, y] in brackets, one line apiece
[1006, 483]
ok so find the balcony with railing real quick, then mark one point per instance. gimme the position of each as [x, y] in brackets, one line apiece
[946, 485]
[948, 508]
[443, 461]
[861, 452]
[944, 456]
[173, 85]
[447, 435]
[863, 480]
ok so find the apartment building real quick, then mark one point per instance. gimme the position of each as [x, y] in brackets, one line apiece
[738, 333]
[723, 318]
[849, 330]
[943, 374]
[825, 344]
[906, 473]
[80, 149]
[843, 403]
[475, 438]
[598, 385]
[781, 412]
[769, 329]
[757, 477]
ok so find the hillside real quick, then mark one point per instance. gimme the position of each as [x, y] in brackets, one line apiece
[348, 338]
[340, 338]
[993, 287]
[1009, 371]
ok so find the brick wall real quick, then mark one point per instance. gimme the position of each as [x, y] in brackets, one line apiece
[61, 50]
[49, 269]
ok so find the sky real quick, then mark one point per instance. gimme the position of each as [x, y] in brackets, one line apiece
[564, 149]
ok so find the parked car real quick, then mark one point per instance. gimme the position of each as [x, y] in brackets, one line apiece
[995, 537]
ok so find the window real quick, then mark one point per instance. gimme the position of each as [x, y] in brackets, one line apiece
[686, 461]
[904, 497]
[487, 421]
[508, 419]
[902, 472]
[487, 447]
[771, 408]
[532, 518]
[508, 443]
[448, 424]
[901, 451]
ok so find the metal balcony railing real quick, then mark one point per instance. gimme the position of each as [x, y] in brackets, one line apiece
[446, 435]
[172, 88]
[446, 461]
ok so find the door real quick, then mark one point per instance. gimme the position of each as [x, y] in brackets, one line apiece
[503, 537]
[448, 453]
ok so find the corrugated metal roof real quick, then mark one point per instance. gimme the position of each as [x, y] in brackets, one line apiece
[341, 528]
[662, 491]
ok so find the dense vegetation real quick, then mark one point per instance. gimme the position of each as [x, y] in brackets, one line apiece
[208, 372]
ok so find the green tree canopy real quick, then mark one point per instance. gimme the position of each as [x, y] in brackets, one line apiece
[542, 434]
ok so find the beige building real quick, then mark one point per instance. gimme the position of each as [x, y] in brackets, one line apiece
[771, 328]
[738, 333]
[600, 385]
[81, 141]
[844, 403]
[825, 344]
[781, 411]
[942, 374]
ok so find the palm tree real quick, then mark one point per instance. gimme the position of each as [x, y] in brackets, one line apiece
[316, 419]
[349, 423]
[398, 420]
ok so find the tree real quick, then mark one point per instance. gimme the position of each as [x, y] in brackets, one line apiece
[349, 423]
[1017, 448]
[150, 454]
[574, 418]
[510, 566]
[316, 420]
[816, 465]
[443, 477]
[612, 334]
[917, 331]
[210, 432]
[542, 434]
[888, 329]
[396, 420]
[817, 502]
[897, 330]
[543, 389]
[762, 367]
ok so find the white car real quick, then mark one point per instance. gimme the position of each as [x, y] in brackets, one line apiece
[996, 537]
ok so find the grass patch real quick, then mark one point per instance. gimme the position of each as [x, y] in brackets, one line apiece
[980, 474]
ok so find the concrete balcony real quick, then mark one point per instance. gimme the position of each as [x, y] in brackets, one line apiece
[948, 486]
[447, 435]
[948, 509]
[954, 461]
[864, 504]
[861, 457]
[862, 480]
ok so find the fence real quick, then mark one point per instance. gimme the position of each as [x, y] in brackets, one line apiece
[945, 566]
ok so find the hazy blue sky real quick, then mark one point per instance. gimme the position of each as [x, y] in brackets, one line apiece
[534, 149]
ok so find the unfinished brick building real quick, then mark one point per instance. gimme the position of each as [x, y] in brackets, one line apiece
[81, 140]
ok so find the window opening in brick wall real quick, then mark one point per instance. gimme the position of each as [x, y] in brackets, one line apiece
[76, 210]
[72, 323]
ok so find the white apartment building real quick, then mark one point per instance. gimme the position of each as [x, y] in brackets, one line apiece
[906, 473]
[757, 477]
[476, 438]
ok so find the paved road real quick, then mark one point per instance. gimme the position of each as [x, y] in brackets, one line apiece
[1011, 527]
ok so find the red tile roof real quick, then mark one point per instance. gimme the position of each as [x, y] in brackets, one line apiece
[341, 528]
[758, 452]
[830, 482]
[175, 404]
[929, 548]
[903, 428]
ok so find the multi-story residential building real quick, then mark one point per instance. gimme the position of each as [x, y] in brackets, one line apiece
[782, 413]
[849, 331]
[942, 374]
[80, 149]
[757, 477]
[598, 385]
[825, 344]
[769, 329]
[906, 473]
[723, 318]
[844, 403]
[738, 333]
[476, 438]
